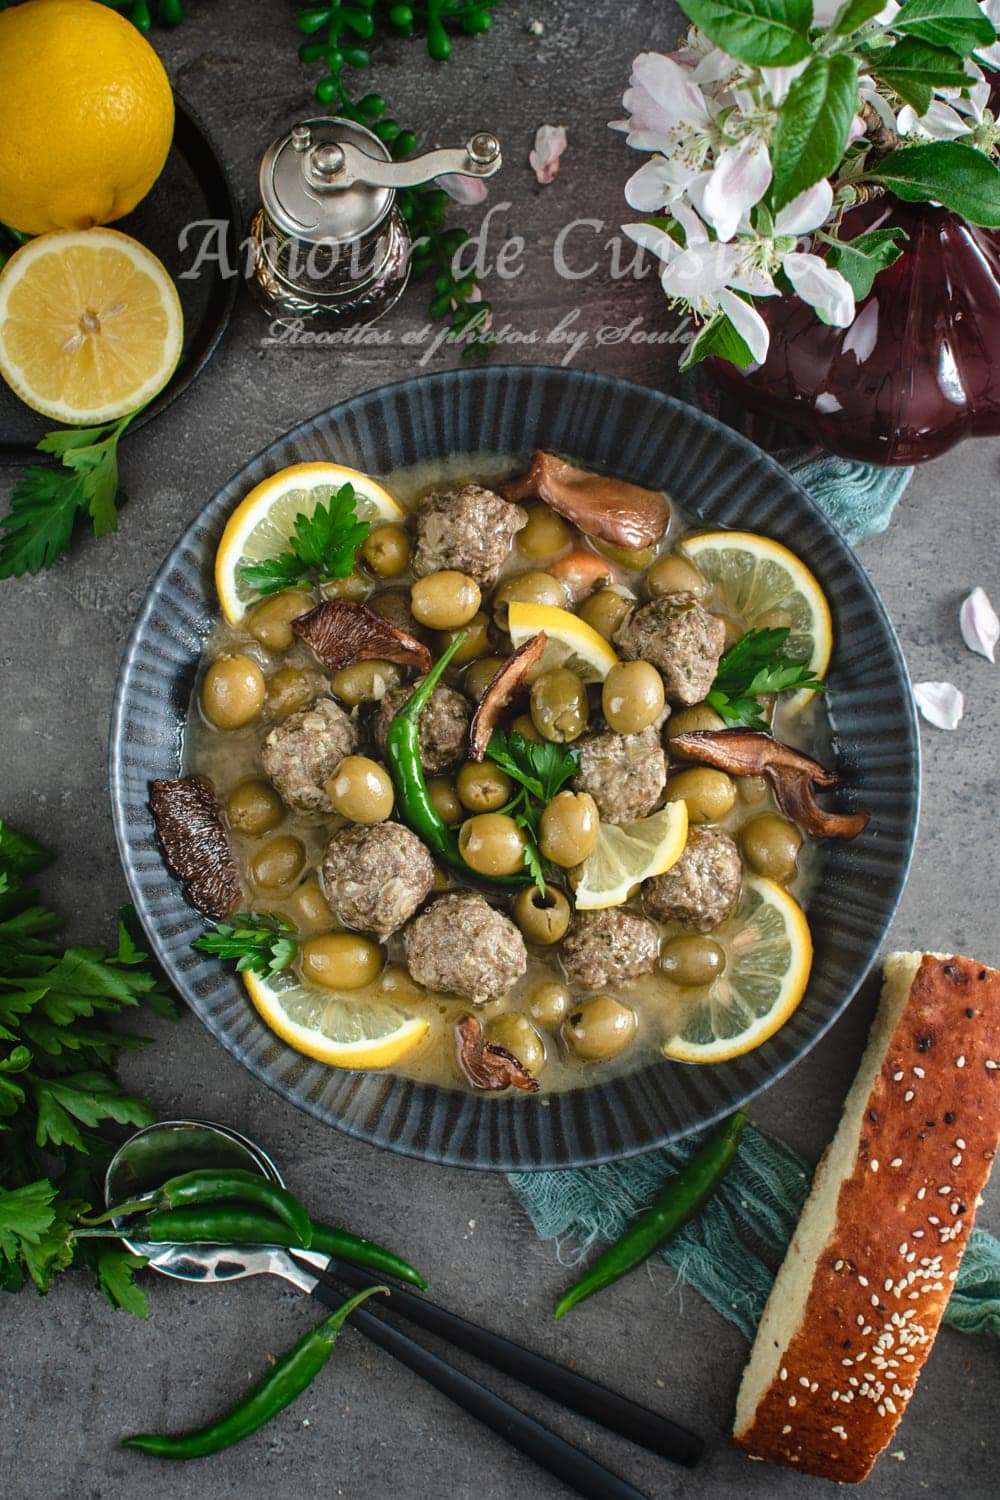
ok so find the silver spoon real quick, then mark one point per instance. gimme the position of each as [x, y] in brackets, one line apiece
[152, 1155]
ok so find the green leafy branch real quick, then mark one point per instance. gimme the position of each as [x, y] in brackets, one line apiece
[540, 771]
[754, 666]
[260, 942]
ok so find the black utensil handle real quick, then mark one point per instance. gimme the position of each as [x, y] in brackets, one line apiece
[573, 1467]
[586, 1397]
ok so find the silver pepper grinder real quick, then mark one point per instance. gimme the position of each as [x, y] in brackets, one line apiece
[329, 246]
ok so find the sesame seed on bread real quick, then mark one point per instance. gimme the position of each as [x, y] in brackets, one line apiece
[858, 1300]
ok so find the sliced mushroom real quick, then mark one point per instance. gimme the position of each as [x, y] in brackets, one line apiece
[505, 684]
[487, 1065]
[194, 843]
[341, 633]
[749, 752]
[611, 509]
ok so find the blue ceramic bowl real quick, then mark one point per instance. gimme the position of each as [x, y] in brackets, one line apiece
[722, 480]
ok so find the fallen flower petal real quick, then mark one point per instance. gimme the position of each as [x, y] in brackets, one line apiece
[550, 143]
[979, 624]
[941, 703]
[460, 189]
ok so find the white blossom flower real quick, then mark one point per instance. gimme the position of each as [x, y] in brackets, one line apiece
[815, 282]
[939, 123]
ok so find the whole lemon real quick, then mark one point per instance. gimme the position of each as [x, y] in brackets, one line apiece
[86, 115]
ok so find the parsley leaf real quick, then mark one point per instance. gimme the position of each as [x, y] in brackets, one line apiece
[47, 502]
[323, 546]
[261, 942]
[753, 666]
[540, 771]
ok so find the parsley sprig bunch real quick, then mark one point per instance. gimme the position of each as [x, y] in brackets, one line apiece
[322, 546]
[58, 1090]
[260, 942]
[540, 771]
[754, 666]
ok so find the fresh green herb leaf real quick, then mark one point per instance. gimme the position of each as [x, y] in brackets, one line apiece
[764, 33]
[323, 546]
[116, 1277]
[533, 862]
[753, 666]
[542, 769]
[19, 853]
[859, 261]
[813, 125]
[261, 942]
[47, 502]
[960, 177]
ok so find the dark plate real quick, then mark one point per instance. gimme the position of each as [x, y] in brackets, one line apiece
[721, 479]
[193, 185]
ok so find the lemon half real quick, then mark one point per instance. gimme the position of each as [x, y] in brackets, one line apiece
[628, 853]
[261, 524]
[571, 641]
[768, 960]
[324, 1025]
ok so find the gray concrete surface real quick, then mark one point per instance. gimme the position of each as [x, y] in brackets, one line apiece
[74, 1376]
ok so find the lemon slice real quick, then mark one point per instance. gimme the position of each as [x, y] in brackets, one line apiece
[760, 582]
[324, 1025]
[571, 641]
[628, 853]
[261, 524]
[768, 960]
[90, 325]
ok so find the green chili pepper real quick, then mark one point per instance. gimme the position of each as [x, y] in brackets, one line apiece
[289, 1378]
[683, 1197]
[402, 754]
[212, 1187]
[220, 1225]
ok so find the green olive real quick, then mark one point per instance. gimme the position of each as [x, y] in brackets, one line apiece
[492, 844]
[599, 1028]
[355, 587]
[340, 960]
[542, 918]
[270, 623]
[441, 790]
[524, 725]
[632, 696]
[691, 721]
[445, 600]
[633, 560]
[606, 610]
[479, 676]
[527, 588]
[254, 807]
[287, 690]
[279, 863]
[476, 643]
[675, 575]
[709, 794]
[545, 534]
[752, 790]
[386, 550]
[548, 1003]
[771, 846]
[568, 828]
[483, 787]
[559, 705]
[516, 1035]
[360, 789]
[692, 960]
[365, 682]
[232, 694]
[311, 909]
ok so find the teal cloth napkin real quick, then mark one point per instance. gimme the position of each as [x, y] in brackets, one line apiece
[730, 1253]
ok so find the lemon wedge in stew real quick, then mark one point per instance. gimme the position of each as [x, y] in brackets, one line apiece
[571, 641]
[768, 959]
[90, 325]
[345, 1033]
[261, 524]
[759, 583]
[628, 853]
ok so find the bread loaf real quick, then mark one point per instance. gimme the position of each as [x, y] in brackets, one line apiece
[859, 1297]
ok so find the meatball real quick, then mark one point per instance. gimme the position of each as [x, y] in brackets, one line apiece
[375, 877]
[624, 773]
[394, 605]
[681, 639]
[469, 529]
[608, 948]
[444, 725]
[461, 945]
[302, 753]
[700, 890]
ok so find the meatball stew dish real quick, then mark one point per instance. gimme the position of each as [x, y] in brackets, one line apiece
[504, 780]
